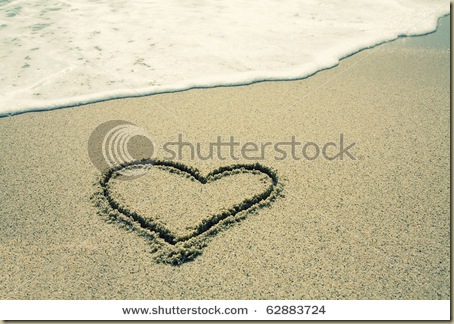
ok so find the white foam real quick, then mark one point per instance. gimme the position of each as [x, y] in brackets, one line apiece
[60, 53]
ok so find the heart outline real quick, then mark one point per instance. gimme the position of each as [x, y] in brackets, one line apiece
[187, 247]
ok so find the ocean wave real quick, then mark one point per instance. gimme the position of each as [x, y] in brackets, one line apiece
[59, 53]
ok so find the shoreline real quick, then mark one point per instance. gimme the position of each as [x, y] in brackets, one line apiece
[83, 102]
[373, 228]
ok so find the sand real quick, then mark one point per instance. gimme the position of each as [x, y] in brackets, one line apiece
[377, 227]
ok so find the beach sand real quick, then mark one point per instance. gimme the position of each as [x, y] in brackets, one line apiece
[377, 227]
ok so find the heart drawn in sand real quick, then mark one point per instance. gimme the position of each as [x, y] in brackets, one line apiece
[176, 247]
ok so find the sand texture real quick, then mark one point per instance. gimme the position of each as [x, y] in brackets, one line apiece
[377, 227]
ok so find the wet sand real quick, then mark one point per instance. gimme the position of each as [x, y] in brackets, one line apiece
[376, 227]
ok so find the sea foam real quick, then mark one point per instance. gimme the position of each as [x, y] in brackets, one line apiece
[61, 53]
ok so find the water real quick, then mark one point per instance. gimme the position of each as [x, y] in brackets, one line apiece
[436, 41]
[60, 53]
